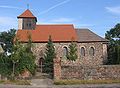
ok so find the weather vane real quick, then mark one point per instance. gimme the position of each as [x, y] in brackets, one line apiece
[27, 6]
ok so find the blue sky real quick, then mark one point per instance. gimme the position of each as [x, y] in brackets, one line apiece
[97, 15]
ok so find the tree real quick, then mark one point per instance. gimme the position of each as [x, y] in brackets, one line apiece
[22, 58]
[49, 56]
[15, 56]
[5, 66]
[7, 38]
[27, 59]
[72, 54]
[113, 35]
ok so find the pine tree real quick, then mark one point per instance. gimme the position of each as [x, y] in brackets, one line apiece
[72, 54]
[49, 56]
[27, 59]
[15, 56]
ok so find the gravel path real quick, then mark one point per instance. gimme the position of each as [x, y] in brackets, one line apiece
[48, 83]
[64, 86]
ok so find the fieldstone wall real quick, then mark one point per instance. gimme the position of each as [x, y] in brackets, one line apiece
[87, 60]
[39, 49]
[90, 73]
[73, 70]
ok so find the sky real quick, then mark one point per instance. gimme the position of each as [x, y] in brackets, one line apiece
[96, 15]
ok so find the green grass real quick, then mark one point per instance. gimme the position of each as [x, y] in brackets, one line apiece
[15, 82]
[77, 82]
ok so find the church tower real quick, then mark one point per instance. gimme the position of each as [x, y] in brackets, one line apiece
[27, 21]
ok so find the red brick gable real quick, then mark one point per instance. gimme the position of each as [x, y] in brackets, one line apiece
[59, 33]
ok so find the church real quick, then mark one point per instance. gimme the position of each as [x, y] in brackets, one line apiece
[91, 48]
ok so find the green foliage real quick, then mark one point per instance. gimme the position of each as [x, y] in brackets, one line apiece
[49, 56]
[114, 45]
[5, 66]
[23, 58]
[7, 38]
[72, 54]
[20, 60]
[27, 59]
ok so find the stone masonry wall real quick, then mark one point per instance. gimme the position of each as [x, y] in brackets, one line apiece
[90, 73]
[88, 60]
[97, 59]
[76, 71]
[39, 49]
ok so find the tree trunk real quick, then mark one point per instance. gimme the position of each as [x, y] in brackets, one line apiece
[13, 71]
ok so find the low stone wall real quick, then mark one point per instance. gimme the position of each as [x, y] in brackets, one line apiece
[75, 71]
[89, 73]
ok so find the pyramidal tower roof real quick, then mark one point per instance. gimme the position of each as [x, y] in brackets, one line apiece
[26, 14]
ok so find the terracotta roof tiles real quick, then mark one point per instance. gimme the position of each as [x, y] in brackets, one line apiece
[59, 33]
[26, 14]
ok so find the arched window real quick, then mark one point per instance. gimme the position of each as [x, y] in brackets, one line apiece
[65, 51]
[82, 51]
[92, 51]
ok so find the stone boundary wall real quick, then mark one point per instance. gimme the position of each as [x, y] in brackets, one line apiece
[73, 71]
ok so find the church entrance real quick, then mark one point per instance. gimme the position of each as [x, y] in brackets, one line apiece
[41, 62]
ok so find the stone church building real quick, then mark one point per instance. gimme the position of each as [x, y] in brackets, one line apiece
[91, 48]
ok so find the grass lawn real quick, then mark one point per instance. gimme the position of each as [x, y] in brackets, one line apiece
[15, 82]
[77, 82]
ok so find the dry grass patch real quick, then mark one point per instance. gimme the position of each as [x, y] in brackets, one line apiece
[15, 82]
[75, 82]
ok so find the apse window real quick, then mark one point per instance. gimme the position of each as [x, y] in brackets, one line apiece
[82, 51]
[92, 51]
[65, 51]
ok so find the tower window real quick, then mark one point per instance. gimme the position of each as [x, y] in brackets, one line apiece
[29, 24]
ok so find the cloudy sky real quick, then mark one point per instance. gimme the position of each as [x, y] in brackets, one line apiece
[97, 15]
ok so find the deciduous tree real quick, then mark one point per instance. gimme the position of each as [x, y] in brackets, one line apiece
[7, 38]
[113, 35]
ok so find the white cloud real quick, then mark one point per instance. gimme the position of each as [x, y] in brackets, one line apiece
[53, 7]
[7, 23]
[60, 20]
[64, 20]
[115, 10]
[10, 7]
[82, 25]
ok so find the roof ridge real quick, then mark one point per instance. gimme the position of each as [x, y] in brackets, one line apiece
[82, 28]
[53, 24]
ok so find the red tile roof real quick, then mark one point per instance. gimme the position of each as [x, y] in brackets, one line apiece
[59, 33]
[26, 14]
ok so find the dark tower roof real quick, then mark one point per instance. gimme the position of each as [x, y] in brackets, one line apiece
[85, 35]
